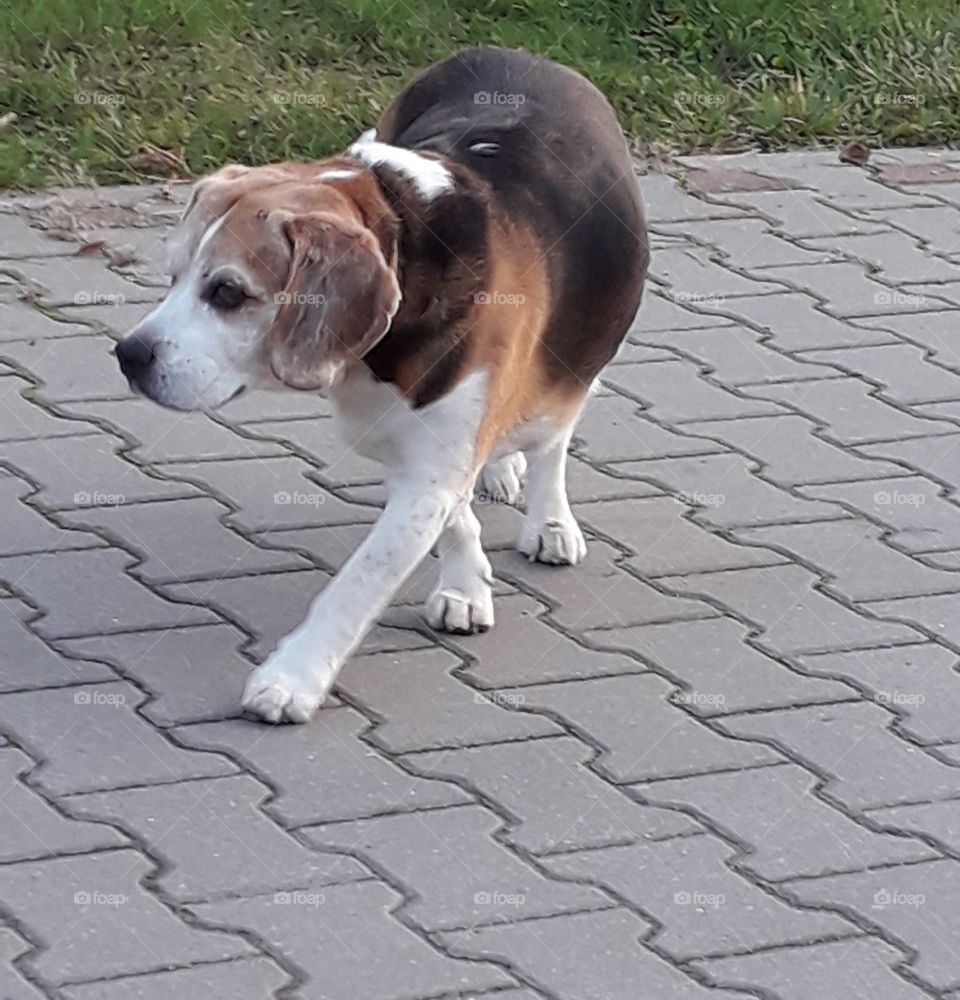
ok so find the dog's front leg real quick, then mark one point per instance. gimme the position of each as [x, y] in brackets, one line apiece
[294, 680]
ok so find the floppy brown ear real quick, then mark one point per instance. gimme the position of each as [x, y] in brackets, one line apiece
[338, 302]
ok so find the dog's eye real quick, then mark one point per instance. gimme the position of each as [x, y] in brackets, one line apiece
[226, 294]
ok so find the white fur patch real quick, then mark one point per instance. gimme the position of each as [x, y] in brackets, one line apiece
[430, 177]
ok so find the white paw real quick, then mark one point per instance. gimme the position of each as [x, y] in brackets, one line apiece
[452, 610]
[557, 540]
[277, 695]
[502, 480]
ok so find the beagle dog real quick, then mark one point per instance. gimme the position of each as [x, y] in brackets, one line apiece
[454, 282]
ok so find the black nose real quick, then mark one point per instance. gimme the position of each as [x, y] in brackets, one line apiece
[135, 356]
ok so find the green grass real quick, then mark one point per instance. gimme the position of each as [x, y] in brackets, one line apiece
[93, 81]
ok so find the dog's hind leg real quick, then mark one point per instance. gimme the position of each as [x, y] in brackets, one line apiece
[550, 533]
[463, 600]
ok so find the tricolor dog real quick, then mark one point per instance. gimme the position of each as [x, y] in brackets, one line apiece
[454, 282]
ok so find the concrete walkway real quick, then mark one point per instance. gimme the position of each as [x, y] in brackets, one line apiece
[720, 759]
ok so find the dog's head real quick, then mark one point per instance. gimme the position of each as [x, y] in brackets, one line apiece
[281, 276]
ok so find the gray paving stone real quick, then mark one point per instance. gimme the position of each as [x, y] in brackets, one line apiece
[933, 331]
[936, 614]
[854, 415]
[391, 687]
[784, 826]
[896, 256]
[793, 616]
[796, 322]
[585, 483]
[555, 801]
[614, 429]
[112, 317]
[692, 275]
[73, 368]
[931, 456]
[904, 371]
[856, 560]
[912, 903]
[19, 239]
[323, 772]
[667, 742]
[790, 451]
[674, 392]
[100, 921]
[172, 435]
[560, 954]
[938, 226]
[24, 321]
[702, 907]
[940, 820]
[920, 517]
[715, 669]
[213, 839]
[27, 530]
[745, 243]
[28, 662]
[26, 420]
[855, 968]
[32, 827]
[528, 650]
[77, 281]
[660, 313]
[365, 951]
[193, 674]
[799, 213]
[464, 878]
[598, 594]
[272, 493]
[664, 540]
[919, 684]
[108, 601]
[667, 201]
[238, 979]
[844, 743]
[727, 491]
[87, 472]
[12, 985]
[181, 540]
[91, 738]
[739, 356]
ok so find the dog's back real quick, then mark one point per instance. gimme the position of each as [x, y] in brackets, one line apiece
[548, 143]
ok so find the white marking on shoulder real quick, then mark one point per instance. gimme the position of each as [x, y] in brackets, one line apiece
[336, 174]
[430, 177]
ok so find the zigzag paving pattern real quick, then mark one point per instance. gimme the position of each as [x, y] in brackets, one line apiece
[719, 759]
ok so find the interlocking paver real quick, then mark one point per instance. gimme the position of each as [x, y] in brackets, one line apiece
[90, 737]
[32, 828]
[784, 827]
[855, 968]
[703, 907]
[686, 766]
[322, 773]
[554, 800]
[351, 946]
[101, 922]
